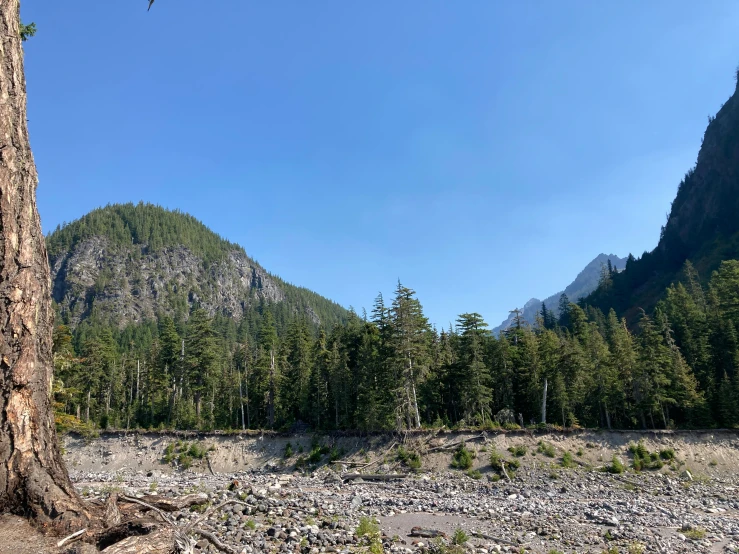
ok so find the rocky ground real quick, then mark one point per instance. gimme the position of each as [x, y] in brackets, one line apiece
[689, 504]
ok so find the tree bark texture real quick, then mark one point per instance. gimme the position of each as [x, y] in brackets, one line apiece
[33, 479]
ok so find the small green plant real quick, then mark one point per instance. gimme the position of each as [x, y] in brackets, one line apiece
[200, 508]
[315, 456]
[462, 458]
[519, 450]
[546, 449]
[251, 524]
[611, 550]
[185, 461]
[196, 451]
[494, 477]
[567, 460]
[580, 452]
[555, 551]
[288, 450]
[713, 463]
[367, 527]
[643, 459]
[27, 31]
[335, 454]
[474, 474]
[608, 535]
[459, 537]
[616, 466]
[153, 486]
[695, 534]
[553, 474]
[169, 453]
[667, 454]
[636, 548]
[409, 458]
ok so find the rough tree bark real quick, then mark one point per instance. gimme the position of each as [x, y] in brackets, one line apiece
[33, 479]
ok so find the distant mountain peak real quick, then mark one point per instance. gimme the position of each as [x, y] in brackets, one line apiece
[585, 283]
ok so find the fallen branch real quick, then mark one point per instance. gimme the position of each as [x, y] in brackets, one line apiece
[210, 510]
[427, 533]
[74, 535]
[496, 539]
[502, 467]
[455, 444]
[215, 541]
[374, 476]
[173, 504]
[207, 459]
[157, 510]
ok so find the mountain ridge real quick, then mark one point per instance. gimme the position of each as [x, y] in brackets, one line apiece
[127, 263]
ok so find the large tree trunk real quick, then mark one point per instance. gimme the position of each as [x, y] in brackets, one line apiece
[33, 479]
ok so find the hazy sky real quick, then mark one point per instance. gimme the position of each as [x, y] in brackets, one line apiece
[481, 151]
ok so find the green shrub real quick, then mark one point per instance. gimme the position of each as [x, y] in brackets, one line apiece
[367, 527]
[335, 454]
[643, 459]
[474, 474]
[518, 451]
[409, 458]
[546, 449]
[315, 456]
[185, 461]
[567, 459]
[459, 537]
[169, 453]
[580, 452]
[667, 454]
[615, 466]
[251, 525]
[288, 450]
[695, 534]
[462, 458]
[196, 451]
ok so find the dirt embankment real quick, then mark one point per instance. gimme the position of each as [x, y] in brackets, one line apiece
[712, 452]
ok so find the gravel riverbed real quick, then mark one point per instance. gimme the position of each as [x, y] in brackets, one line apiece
[540, 510]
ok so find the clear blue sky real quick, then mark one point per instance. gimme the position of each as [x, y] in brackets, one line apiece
[481, 151]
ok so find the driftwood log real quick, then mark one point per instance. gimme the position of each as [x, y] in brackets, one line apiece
[374, 476]
[161, 541]
[455, 444]
[167, 504]
[427, 533]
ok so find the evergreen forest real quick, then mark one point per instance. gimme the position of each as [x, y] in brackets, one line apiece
[677, 366]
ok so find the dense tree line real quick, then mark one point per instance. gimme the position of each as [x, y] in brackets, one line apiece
[391, 370]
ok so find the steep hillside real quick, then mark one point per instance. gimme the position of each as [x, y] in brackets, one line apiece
[585, 283]
[702, 226]
[130, 263]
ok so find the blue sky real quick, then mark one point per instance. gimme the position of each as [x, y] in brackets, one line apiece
[481, 151]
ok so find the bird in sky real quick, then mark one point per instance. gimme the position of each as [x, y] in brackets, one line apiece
[150, 3]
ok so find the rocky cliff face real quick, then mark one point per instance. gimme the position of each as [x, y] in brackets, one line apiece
[131, 285]
[707, 200]
[702, 226]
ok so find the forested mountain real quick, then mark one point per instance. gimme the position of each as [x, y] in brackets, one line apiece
[128, 264]
[585, 283]
[702, 225]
